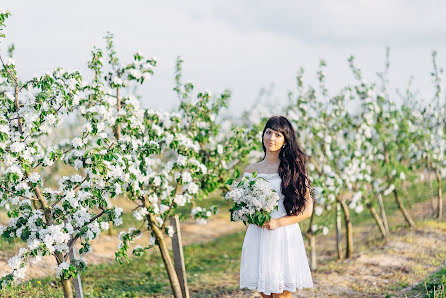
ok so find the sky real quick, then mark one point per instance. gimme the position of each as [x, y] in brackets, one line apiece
[241, 45]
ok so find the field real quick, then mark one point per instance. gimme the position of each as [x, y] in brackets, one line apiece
[395, 268]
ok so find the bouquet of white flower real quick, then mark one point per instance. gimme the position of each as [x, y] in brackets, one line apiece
[253, 198]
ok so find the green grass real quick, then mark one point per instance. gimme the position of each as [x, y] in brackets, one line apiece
[209, 266]
[434, 286]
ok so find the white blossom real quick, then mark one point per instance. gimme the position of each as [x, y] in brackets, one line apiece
[62, 266]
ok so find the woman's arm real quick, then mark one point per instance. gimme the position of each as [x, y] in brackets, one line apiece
[292, 219]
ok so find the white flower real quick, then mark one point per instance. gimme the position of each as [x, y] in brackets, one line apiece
[192, 188]
[153, 199]
[314, 227]
[9, 61]
[78, 164]
[327, 170]
[34, 177]
[203, 168]
[152, 240]
[389, 190]
[402, 176]
[47, 161]
[117, 81]
[157, 181]
[17, 147]
[16, 170]
[118, 211]
[168, 138]
[77, 142]
[181, 160]
[318, 210]
[4, 128]
[359, 209]
[19, 273]
[118, 222]
[163, 208]
[180, 200]
[186, 177]
[325, 231]
[104, 225]
[196, 210]
[170, 231]
[140, 213]
[62, 266]
[15, 262]
[317, 191]
[201, 221]
[33, 244]
[357, 196]
[87, 127]
[51, 119]
[219, 149]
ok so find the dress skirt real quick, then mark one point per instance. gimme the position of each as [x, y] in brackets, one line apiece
[274, 260]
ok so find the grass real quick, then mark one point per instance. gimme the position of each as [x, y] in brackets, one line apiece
[209, 266]
[433, 286]
[212, 267]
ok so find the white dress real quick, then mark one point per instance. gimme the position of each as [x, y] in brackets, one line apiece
[274, 260]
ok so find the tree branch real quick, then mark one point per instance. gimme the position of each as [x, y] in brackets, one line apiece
[10, 191]
[73, 240]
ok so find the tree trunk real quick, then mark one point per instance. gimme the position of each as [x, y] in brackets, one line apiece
[77, 282]
[432, 193]
[440, 196]
[110, 228]
[378, 220]
[430, 171]
[66, 286]
[66, 283]
[178, 256]
[348, 229]
[403, 209]
[383, 213]
[312, 242]
[313, 260]
[173, 277]
[338, 231]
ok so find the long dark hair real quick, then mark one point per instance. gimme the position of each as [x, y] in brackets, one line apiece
[292, 168]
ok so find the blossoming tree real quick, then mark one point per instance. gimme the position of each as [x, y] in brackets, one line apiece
[49, 220]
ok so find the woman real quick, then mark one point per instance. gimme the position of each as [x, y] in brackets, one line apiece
[274, 260]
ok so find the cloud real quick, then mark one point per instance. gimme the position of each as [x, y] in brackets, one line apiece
[341, 23]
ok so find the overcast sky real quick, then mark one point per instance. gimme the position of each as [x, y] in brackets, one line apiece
[235, 44]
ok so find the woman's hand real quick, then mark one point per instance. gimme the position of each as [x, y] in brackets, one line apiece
[271, 225]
